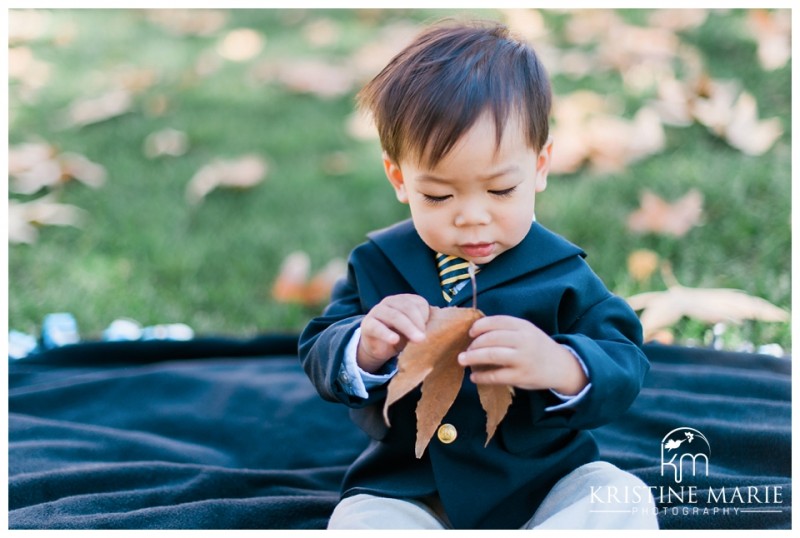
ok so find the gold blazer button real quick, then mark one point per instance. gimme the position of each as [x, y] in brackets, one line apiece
[447, 433]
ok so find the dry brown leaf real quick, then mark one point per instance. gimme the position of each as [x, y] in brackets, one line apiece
[657, 216]
[678, 19]
[22, 157]
[642, 264]
[586, 131]
[316, 77]
[434, 363]
[367, 61]
[201, 22]
[292, 276]
[34, 166]
[734, 117]
[171, 142]
[495, 400]
[661, 309]
[25, 218]
[674, 102]
[441, 386]
[241, 45]
[526, 23]
[322, 32]
[25, 25]
[586, 26]
[746, 132]
[23, 66]
[77, 166]
[772, 31]
[86, 111]
[241, 173]
[319, 288]
[292, 285]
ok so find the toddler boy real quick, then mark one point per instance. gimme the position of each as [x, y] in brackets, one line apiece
[462, 114]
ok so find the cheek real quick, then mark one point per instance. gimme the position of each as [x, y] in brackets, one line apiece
[516, 221]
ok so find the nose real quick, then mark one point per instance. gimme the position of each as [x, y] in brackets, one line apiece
[472, 213]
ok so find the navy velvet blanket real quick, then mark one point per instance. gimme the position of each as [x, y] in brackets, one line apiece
[218, 433]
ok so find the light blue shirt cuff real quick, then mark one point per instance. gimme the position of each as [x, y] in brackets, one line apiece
[571, 401]
[352, 379]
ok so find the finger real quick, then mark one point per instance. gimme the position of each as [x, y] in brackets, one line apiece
[498, 338]
[416, 308]
[400, 322]
[494, 323]
[494, 376]
[372, 328]
[486, 357]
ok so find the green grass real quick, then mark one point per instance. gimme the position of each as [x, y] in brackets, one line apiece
[145, 253]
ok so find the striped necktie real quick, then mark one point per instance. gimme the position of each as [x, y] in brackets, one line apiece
[452, 272]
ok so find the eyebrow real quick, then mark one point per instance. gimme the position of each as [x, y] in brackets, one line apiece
[503, 171]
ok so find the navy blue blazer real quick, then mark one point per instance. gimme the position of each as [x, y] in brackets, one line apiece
[544, 280]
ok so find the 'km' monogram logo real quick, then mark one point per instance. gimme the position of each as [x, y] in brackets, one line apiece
[683, 444]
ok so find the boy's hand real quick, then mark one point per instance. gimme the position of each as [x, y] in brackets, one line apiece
[388, 327]
[513, 351]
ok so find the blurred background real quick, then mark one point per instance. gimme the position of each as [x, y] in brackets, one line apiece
[207, 167]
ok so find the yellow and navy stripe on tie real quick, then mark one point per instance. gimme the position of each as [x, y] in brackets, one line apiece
[452, 270]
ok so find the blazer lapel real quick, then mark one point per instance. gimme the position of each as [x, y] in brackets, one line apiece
[412, 258]
[539, 249]
[416, 261]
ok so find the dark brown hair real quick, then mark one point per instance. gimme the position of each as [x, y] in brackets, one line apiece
[434, 90]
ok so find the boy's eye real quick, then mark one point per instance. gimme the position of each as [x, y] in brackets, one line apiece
[504, 192]
[433, 200]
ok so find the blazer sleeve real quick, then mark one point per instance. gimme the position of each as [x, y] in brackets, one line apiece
[322, 343]
[606, 333]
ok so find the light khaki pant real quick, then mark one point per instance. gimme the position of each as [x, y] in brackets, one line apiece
[597, 495]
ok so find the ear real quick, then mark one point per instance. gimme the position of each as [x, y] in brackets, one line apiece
[543, 165]
[395, 176]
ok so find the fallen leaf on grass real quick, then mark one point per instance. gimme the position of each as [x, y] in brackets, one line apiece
[642, 264]
[23, 66]
[527, 23]
[241, 45]
[772, 31]
[242, 173]
[182, 22]
[77, 166]
[293, 285]
[368, 60]
[746, 132]
[318, 290]
[34, 166]
[586, 131]
[658, 216]
[322, 32]
[86, 111]
[678, 19]
[25, 218]
[170, 142]
[433, 362]
[661, 309]
[315, 77]
[27, 25]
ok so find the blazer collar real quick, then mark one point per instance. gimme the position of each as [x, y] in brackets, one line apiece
[416, 261]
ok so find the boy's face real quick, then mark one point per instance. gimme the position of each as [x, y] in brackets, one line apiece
[478, 201]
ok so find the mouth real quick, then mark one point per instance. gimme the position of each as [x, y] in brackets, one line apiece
[477, 250]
